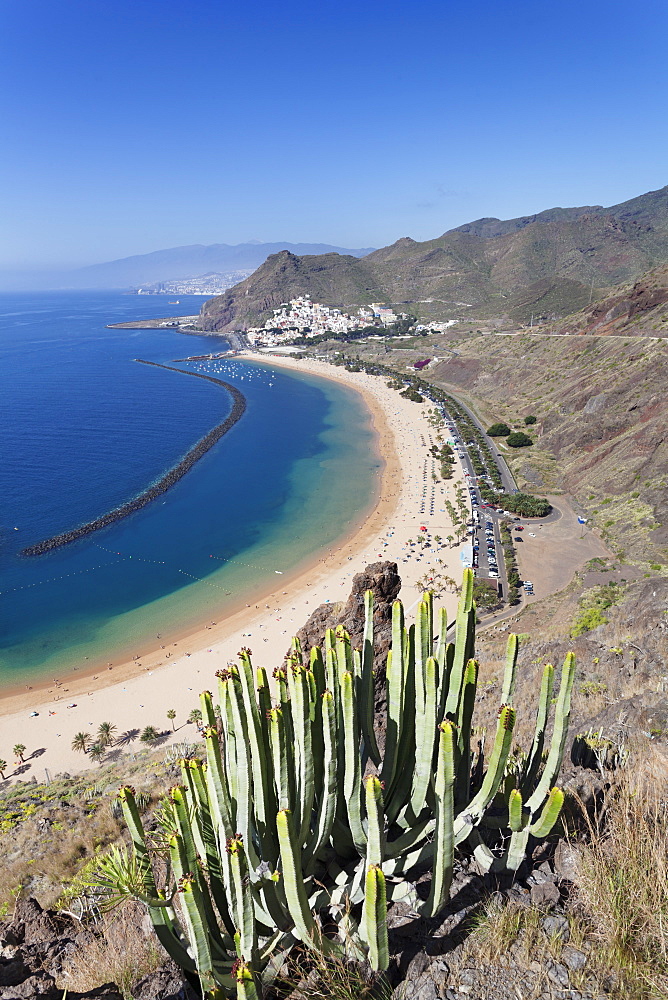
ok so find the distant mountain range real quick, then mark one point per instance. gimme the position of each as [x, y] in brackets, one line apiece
[176, 263]
[549, 264]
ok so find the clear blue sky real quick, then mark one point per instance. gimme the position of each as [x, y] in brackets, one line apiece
[133, 125]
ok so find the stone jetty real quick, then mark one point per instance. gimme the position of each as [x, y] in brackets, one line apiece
[164, 483]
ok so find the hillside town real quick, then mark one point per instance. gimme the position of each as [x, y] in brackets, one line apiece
[301, 317]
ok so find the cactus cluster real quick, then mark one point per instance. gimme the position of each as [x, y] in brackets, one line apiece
[297, 828]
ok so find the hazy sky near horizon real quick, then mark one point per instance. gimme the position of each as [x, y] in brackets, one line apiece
[127, 127]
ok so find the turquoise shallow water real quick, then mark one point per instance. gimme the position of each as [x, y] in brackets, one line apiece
[84, 428]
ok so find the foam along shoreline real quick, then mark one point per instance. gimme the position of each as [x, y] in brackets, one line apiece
[165, 482]
[171, 674]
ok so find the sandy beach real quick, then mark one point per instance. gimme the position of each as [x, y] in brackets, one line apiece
[138, 693]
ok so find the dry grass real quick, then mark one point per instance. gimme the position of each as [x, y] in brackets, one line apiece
[121, 954]
[623, 890]
[498, 927]
[618, 912]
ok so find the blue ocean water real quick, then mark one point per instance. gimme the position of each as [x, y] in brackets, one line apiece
[84, 428]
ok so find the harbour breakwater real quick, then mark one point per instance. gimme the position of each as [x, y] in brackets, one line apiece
[165, 482]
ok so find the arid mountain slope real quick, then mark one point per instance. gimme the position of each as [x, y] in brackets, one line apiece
[637, 309]
[602, 430]
[546, 265]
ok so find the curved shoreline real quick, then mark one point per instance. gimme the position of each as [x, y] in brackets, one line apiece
[171, 477]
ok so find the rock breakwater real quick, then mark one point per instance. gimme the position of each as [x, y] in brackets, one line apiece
[171, 477]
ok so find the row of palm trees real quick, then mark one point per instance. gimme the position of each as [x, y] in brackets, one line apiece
[19, 751]
[96, 746]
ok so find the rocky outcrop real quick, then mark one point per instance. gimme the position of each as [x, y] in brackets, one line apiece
[36, 946]
[383, 579]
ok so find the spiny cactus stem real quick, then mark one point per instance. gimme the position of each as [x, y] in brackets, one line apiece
[375, 919]
[444, 834]
[508, 690]
[351, 779]
[295, 891]
[535, 757]
[561, 719]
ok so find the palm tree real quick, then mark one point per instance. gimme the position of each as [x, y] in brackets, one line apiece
[149, 734]
[19, 750]
[81, 742]
[3, 768]
[171, 715]
[105, 733]
[196, 717]
[97, 752]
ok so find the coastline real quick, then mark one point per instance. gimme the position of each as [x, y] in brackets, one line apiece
[128, 694]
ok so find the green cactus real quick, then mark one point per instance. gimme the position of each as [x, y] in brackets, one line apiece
[280, 835]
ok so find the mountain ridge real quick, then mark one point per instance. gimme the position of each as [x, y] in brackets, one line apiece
[174, 263]
[550, 264]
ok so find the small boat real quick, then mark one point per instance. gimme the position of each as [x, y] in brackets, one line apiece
[176, 302]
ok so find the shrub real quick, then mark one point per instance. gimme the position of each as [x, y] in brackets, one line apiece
[529, 420]
[518, 439]
[524, 504]
[593, 606]
[498, 430]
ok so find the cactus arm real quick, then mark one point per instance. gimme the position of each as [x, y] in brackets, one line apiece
[162, 916]
[394, 684]
[317, 673]
[425, 727]
[465, 628]
[444, 836]
[244, 804]
[344, 652]
[218, 792]
[306, 766]
[279, 748]
[465, 821]
[561, 719]
[197, 928]
[186, 863]
[374, 919]
[318, 668]
[263, 799]
[400, 789]
[464, 721]
[295, 891]
[422, 650]
[535, 757]
[366, 685]
[244, 917]
[206, 705]
[328, 795]
[515, 816]
[375, 845]
[442, 640]
[331, 670]
[549, 815]
[138, 837]
[351, 775]
[509, 675]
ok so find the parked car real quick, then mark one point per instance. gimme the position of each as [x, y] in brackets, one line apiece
[518, 538]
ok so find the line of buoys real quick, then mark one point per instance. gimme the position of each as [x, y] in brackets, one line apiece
[164, 483]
